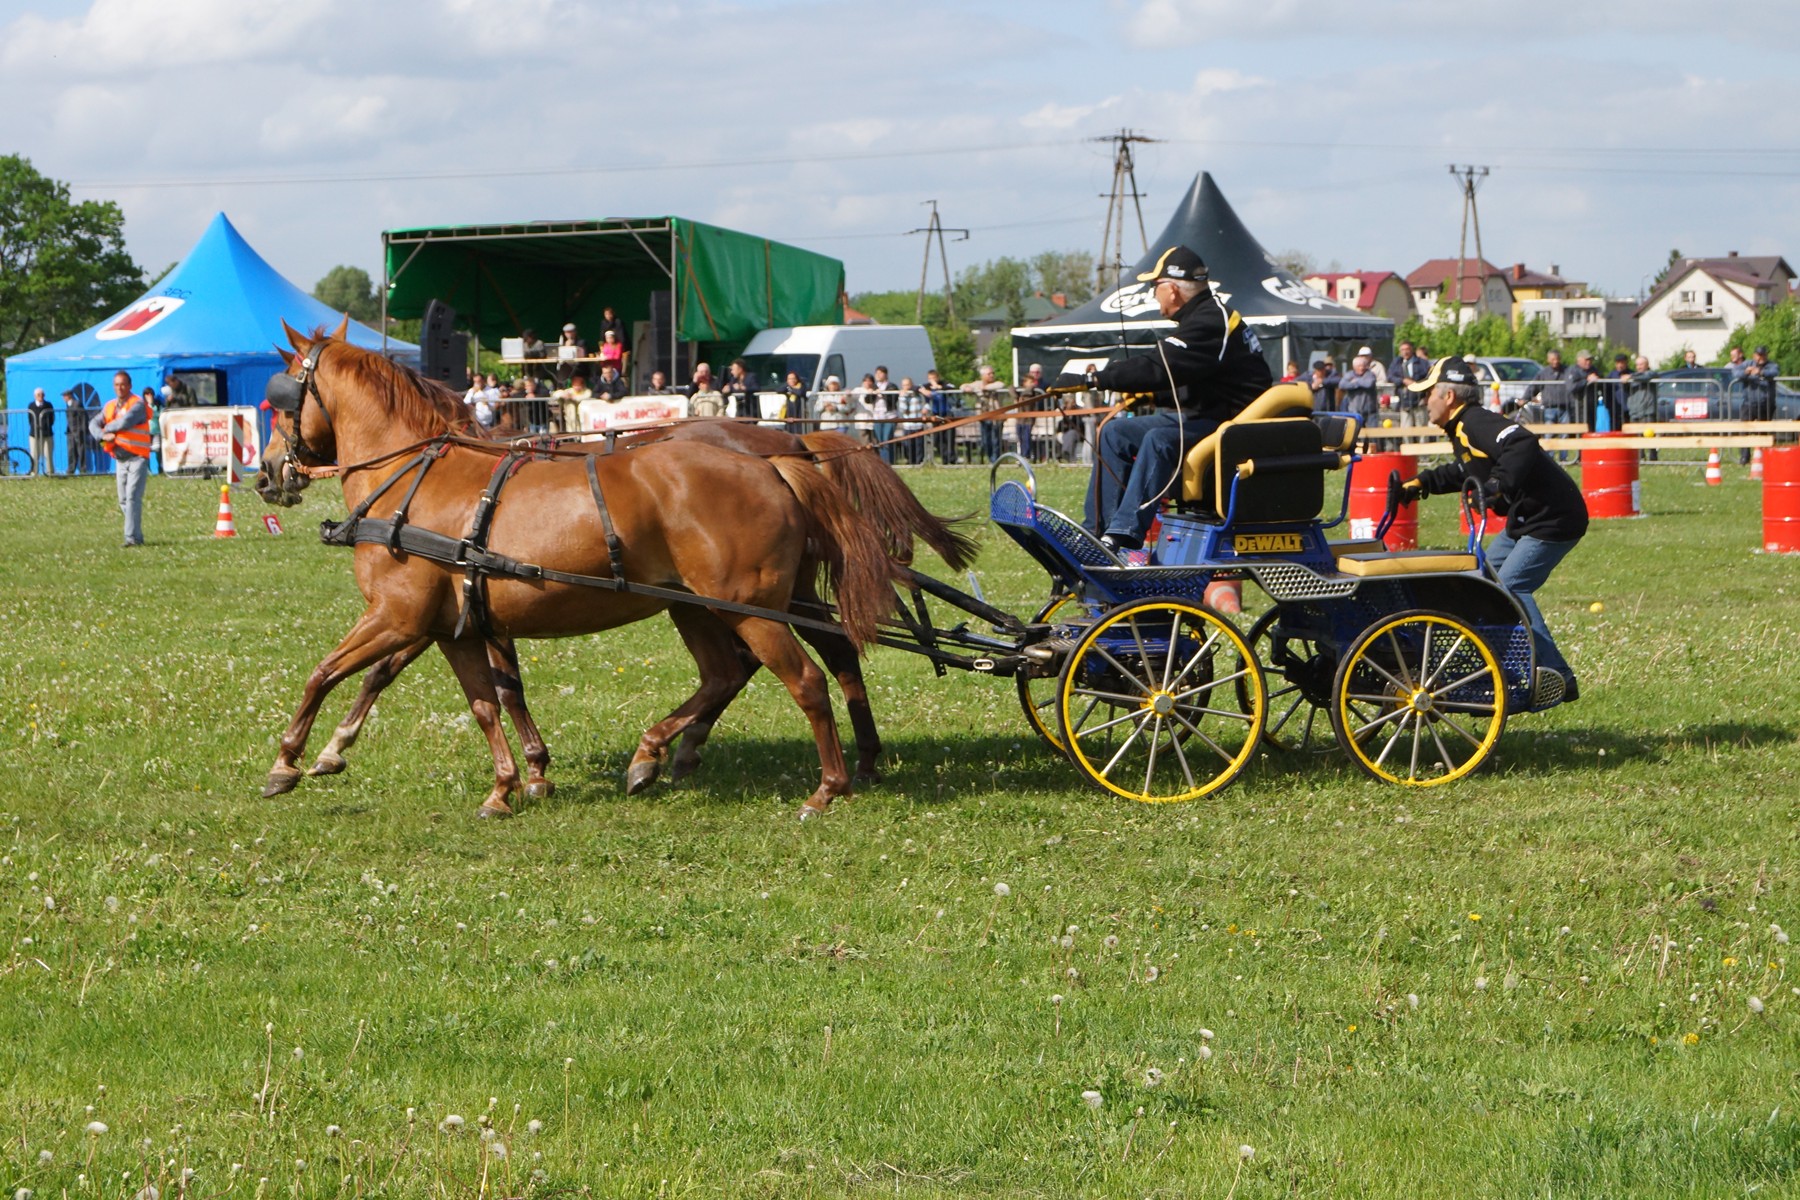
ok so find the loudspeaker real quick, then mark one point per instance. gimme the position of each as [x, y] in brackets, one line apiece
[443, 352]
[681, 368]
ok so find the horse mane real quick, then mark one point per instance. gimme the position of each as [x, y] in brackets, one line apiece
[426, 404]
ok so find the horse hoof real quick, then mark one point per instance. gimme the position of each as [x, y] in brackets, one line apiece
[539, 789]
[868, 778]
[328, 764]
[281, 780]
[496, 809]
[809, 810]
[641, 775]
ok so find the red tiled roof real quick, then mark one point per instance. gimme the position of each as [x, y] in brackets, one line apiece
[1371, 284]
[1435, 273]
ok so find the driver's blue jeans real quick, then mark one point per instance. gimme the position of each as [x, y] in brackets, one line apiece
[1523, 565]
[1139, 460]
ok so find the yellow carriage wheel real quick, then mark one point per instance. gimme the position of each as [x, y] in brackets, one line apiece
[1419, 700]
[1037, 693]
[1161, 701]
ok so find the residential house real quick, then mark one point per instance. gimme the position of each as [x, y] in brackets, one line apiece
[1483, 289]
[1569, 309]
[1382, 293]
[1037, 309]
[1701, 300]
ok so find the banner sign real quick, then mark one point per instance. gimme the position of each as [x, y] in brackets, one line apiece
[600, 415]
[200, 439]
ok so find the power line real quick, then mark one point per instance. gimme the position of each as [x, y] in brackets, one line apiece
[1124, 174]
[935, 229]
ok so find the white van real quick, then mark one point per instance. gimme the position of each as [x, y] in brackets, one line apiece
[815, 352]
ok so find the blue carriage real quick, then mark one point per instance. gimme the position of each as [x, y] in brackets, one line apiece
[1410, 660]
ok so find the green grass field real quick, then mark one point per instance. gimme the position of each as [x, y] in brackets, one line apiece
[1564, 976]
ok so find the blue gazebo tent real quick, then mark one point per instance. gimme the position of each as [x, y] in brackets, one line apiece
[214, 321]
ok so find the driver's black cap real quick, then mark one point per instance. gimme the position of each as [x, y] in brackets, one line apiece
[1177, 262]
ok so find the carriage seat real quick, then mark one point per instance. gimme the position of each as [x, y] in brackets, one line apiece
[1404, 562]
[1277, 431]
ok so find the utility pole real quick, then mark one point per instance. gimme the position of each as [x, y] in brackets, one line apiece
[1124, 187]
[1468, 179]
[935, 229]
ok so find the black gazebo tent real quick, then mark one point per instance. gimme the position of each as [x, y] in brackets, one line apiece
[1293, 321]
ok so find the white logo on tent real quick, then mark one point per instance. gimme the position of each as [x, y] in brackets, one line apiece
[139, 317]
[1295, 292]
[1134, 300]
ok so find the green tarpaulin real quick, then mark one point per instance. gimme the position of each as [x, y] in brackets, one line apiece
[504, 279]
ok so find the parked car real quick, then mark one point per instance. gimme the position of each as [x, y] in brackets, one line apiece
[1513, 375]
[1709, 393]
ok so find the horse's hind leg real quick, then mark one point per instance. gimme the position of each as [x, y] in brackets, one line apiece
[509, 683]
[369, 641]
[774, 643]
[469, 659]
[841, 660]
[693, 738]
[375, 681]
[723, 673]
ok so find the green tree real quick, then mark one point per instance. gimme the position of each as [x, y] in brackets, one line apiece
[63, 265]
[1778, 328]
[953, 350]
[349, 290]
[1070, 272]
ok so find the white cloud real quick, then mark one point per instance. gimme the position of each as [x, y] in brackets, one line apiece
[119, 35]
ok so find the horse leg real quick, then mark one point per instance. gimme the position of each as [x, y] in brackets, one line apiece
[841, 660]
[725, 662]
[722, 676]
[331, 758]
[503, 665]
[775, 644]
[369, 641]
[469, 659]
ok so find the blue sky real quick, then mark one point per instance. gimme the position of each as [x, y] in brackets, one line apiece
[1616, 130]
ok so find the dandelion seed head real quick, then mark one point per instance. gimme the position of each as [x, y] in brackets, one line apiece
[497, 1149]
[1092, 1098]
[45, 1158]
[1152, 974]
[1153, 1078]
[1205, 1052]
[299, 1053]
[1072, 930]
[1110, 941]
[1481, 983]
[269, 1027]
[1001, 889]
[412, 1114]
[23, 1193]
[96, 1128]
[534, 1126]
[1781, 937]
[333, 1131]
[299, 1164]
[1756, 1004]
[1246, 1152]
[1073, 973]
[451, 1123]
[49, 901]
[1206, 1035]
[1412, 999]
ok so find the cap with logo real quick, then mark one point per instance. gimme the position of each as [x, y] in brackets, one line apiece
[1177, 262]
[1445, 370]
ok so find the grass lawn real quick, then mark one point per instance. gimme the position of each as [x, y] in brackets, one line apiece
[1563, 976]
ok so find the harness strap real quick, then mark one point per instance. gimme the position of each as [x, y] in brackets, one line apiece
[615, 550]
[472, 552]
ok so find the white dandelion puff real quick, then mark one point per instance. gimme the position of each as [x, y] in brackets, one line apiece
[1206, 1035]
[96, 1128]
[299, 1053]
[1412, 999]
[412, 1114]
[334, 1131]
[497, 1149]
[1072, 930]
[1781, 937]
[45, 1158]
[1153, 1078]
[1152, 974]
[1110, 941]
[1246, 1152]
[451, 1123]
[1756, 1004]
[299, 1164]
[49, 902]
[1205, 1052]
[23, 1193]
[1057, 998]
[1481, 983]
[534, 1126]
[1092, 1099]
[1001, 889]
[1065, 941]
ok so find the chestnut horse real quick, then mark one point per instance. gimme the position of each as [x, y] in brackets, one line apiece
[724, 526]
[870, 484]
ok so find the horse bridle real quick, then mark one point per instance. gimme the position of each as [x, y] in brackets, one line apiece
[287, 394]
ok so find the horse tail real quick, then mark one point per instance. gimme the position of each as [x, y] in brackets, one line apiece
[846, 550]
[879, 493]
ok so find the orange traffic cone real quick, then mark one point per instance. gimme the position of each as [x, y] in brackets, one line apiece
[225, 527]
[1756, 463]
[1714, 476]
[1226, 596]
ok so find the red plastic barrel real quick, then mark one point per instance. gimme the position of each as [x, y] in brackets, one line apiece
[1609, 482]
[1781, 500]
[1368, 500]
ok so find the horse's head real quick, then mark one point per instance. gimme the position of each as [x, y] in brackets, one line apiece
[302, 433]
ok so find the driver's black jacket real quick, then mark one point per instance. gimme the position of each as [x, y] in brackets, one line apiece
[1521, 480]
[1214, 357]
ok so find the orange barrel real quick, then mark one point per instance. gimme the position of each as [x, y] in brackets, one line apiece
[1368, 500]
[1609, 482]
[1781, 500]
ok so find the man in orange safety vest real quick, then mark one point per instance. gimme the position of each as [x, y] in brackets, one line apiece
[123, 429]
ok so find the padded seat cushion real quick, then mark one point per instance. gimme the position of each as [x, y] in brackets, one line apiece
[1405, 562]
[1282, 400]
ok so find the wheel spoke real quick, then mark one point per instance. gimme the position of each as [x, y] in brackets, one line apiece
[1137, 637]
[1121, 668]
[1466, 735]
[1110, 697]
[1390, 715]
[1394, 738]
[1399, 661]
[1413, 769]
[1466, 680]
[1203, 652]
[1450, 763]
[1150, 761]
[1230, 714]
[1197, 732]
[1103, 726]
[1215, 683]
[1181, 757]
[1444, 663]
[1120, 752]
[1386, 674]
